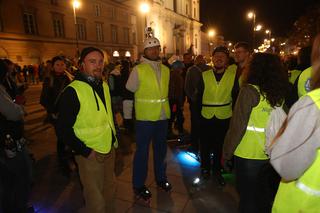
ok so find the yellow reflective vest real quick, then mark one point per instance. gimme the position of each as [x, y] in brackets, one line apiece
[304, 82]
[293, 75]
[253, 142]
[303, 194]
[94, 127]
[217, 97]
[151, 98]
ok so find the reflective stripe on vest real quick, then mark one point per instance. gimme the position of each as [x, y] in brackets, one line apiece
[253, 141]
[217, 99]
[256, 129]
[151, 98]
[94, 127]
[307, 189]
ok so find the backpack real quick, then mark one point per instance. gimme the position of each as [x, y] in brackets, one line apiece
[276, 119]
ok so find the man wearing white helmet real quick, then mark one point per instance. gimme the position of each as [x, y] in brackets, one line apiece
[150, 83]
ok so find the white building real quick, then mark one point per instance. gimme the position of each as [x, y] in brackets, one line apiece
[174, 22]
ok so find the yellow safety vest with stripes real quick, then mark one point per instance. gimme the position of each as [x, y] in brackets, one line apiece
[217, 96]
[253, 142]
[151, 98]
[304, 82]
[94, 127]
[303, 194]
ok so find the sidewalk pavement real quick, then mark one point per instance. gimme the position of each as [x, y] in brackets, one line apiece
[55, 193]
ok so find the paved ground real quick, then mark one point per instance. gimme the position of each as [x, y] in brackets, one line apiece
[55, 193]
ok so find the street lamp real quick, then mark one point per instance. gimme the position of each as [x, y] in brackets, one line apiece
[258, 27]
[144, 9]
[252, 15]
[211, 34]
[268, 32]
[76, 5]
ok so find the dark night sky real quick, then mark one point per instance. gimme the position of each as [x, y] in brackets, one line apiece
[229, 17]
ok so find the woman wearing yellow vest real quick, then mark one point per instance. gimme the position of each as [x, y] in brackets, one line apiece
[295, 150]
[265, 86]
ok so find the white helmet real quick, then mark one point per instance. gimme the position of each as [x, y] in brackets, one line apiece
[151, 42]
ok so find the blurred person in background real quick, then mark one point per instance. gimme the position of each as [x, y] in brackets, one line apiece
[52, 88]
[176, 98]
[193, 78]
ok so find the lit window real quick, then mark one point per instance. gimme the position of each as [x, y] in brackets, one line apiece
[114, 33]
[99, 31]
[29, 23]
[54, 2]
[126, 35]
[58, 25]
[97, 9]
[81, 29]
[113, 13]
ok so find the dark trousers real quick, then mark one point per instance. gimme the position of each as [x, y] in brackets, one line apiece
[212, 136]
[145, 132]
[16, 177]
[176, 116]
[195, 125]
[252, 185]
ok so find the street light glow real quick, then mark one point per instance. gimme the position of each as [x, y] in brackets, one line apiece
[272, 39]
[258, 27]
[144, 7]
[267, 31]
[76, 4]
[251, 15]
[211, 33]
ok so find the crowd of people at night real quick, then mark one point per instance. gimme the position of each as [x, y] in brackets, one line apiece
[231, 97]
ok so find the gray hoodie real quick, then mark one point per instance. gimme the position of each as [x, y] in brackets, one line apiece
[10, 110]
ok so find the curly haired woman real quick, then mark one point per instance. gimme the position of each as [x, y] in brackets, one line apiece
[265, 87]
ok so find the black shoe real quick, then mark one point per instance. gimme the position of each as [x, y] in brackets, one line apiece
[205, 174]
[142, 192]
[220, 179]
[30, 209]
[165, 185]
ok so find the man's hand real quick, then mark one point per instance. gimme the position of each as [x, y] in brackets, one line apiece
[92, 155]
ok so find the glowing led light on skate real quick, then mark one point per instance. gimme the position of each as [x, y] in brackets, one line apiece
[185, 158]
[196, 180]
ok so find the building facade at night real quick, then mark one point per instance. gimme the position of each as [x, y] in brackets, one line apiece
[175, 22]
[34, 31]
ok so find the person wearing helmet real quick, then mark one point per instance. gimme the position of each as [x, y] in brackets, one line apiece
[149, 81]
[218, 90]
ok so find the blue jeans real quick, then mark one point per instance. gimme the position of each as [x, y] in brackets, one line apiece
[145, 132]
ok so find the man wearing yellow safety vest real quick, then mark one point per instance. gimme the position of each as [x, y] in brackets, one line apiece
[218, 89]
[295, 152]
[150, 83]
[85, 123]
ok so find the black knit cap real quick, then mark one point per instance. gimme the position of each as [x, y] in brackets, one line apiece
[221, 49]
[87, 50]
